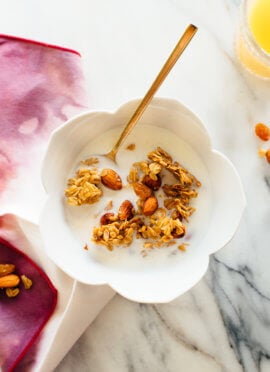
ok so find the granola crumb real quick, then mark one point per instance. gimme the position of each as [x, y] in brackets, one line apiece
[109, 206]
[12, 292]
[182, 247]
[133, 175]
[148, 245]
[261, 153]
[85, 247]
[131, 147]
[264, 154]
[26, 282]
[90, 161]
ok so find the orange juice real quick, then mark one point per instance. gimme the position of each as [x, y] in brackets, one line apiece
[259, 23]
[253, 40]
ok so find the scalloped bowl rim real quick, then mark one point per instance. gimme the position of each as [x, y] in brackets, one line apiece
[123, 283]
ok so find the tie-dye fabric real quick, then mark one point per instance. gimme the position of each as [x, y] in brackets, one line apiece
[41, 86]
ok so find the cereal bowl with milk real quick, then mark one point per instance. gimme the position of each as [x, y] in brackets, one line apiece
[146, 224]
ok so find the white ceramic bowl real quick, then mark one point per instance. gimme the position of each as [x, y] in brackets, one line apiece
[164, 274]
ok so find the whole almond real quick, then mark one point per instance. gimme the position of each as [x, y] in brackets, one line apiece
[106, 218]
[111, 179]
[6, 269]
[8, 281]
[125, 211]
[152, 184]
[150, 206]
[141, 190]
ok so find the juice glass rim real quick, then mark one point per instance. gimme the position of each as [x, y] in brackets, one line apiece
[249, 38]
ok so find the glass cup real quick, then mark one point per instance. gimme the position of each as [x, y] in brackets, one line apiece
[251, 37]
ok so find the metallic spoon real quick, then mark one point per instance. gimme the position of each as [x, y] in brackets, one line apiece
[176, 53]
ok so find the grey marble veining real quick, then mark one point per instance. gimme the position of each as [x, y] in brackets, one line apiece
[185, 335]
[245, 312]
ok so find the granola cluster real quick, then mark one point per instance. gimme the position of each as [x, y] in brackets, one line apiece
[156, 231]
[157, 226]
[84, 188]
[116, 232]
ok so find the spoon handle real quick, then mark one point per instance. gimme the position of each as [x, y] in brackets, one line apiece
[176, 53]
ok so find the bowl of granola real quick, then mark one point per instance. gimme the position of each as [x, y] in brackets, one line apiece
[147, 224]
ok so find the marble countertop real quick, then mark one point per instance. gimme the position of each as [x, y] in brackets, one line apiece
[223, 323]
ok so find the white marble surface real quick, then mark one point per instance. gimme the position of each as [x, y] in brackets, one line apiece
[223, 323]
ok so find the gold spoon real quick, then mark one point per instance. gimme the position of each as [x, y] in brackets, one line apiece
[176, 53]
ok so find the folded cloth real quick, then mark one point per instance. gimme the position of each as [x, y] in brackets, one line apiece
[70, 318]
[40, 87]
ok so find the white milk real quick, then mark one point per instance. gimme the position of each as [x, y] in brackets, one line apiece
[82, 219]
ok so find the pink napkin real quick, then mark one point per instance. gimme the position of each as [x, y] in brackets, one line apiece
[41, 86]
[23, 317]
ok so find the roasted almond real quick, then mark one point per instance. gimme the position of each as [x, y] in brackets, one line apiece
[106, 218]
[6, 269]
[262, 131]
[125, 211]
[9, 281]
[111, 179]
[152, 184]
[150, 206]
[141, 190]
